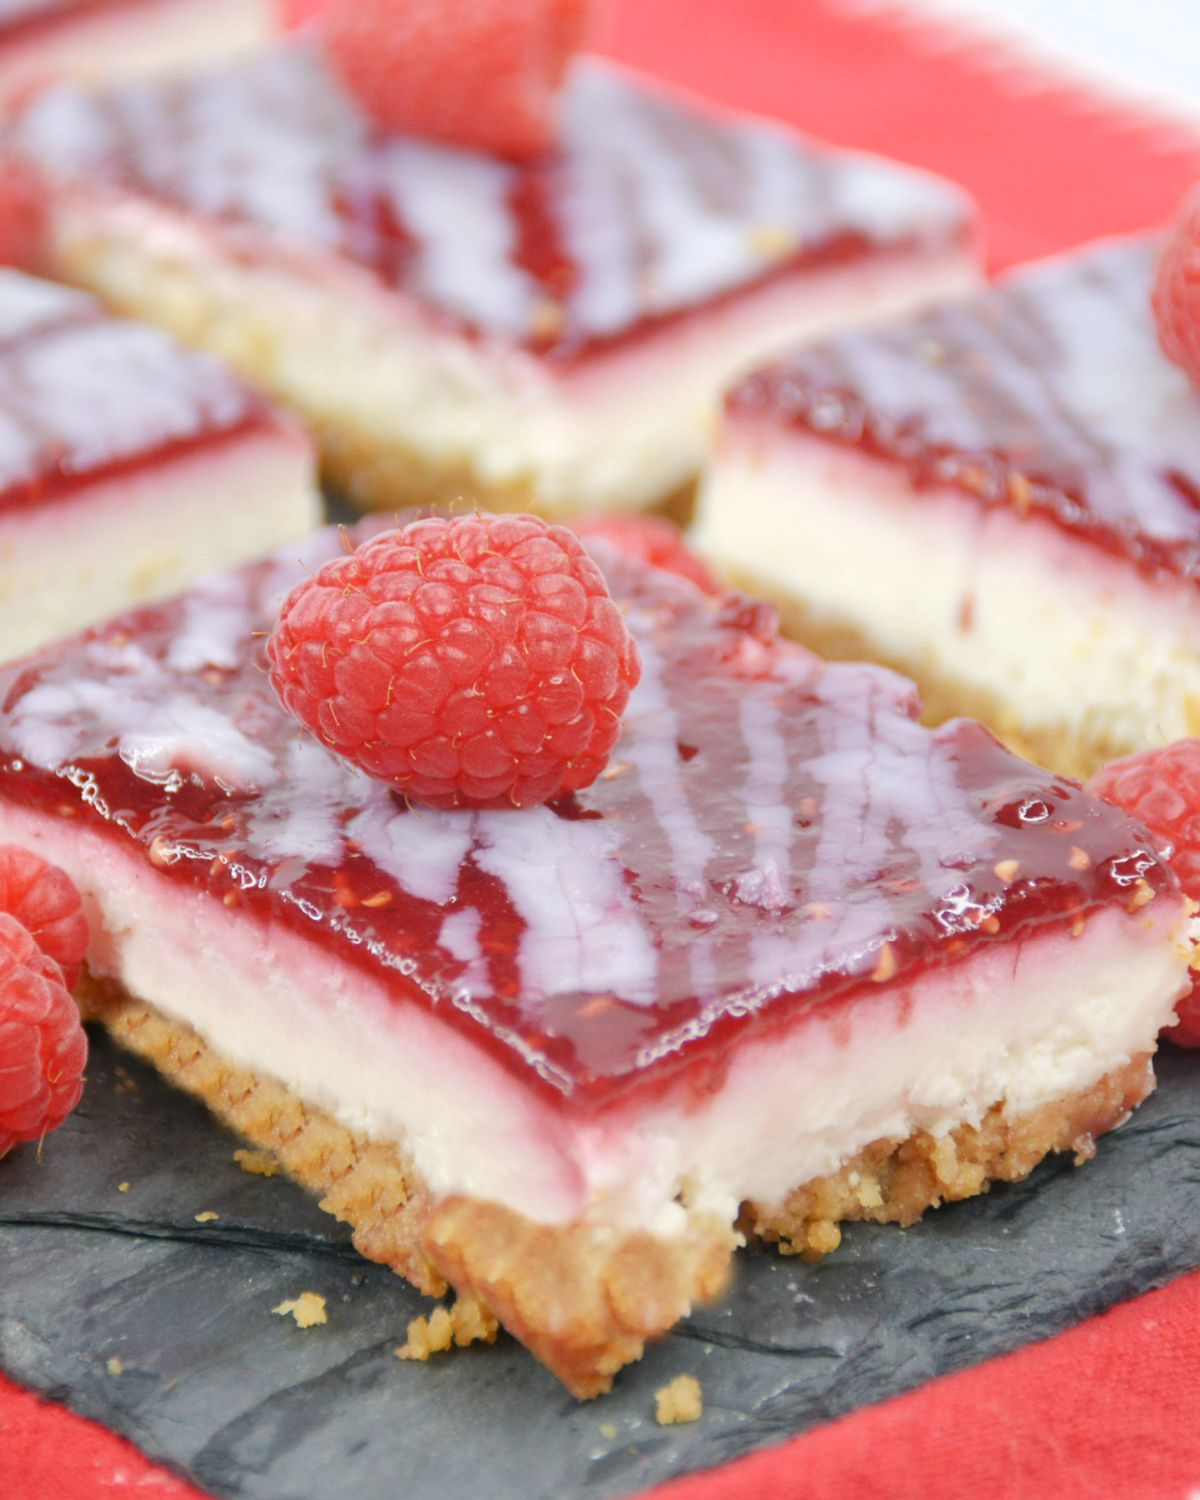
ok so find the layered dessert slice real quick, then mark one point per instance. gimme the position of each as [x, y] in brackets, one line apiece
[792, 959]
[46, 41]
[999, 497]
[128, 465]
[552, 335]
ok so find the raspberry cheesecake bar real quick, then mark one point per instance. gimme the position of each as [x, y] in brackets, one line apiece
[449, 322]
[128, 465]
[999, 497]
[46, 41]
[791, 959]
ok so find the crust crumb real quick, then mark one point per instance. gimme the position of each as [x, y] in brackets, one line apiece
[114, 1366]
[122, 1187]
[308, 1309]
[258, 1163]
[207, 1217]
[772, 241]
[467, 1322]
[681, 1401]
[608, 1430]
[125, 1083]
[428, 1336]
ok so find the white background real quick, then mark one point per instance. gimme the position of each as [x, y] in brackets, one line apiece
[1152, 44]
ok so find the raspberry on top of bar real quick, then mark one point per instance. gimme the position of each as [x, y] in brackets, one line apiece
[647, 208]
[775, 835]
[1048, 395]
[84, 395]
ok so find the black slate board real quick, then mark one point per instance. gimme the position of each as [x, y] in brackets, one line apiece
[248, 1405]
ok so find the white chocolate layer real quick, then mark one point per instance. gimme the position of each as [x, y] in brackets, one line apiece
[1064, 636]
[1023, 1022]
[144, 535]
[325, 339]
[130, 39]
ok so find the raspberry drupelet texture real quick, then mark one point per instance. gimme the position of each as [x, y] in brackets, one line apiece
[44, 900]
[1177, 290]
[480, 73]
[1162, 788]
[43, 1048]
[477, 661]
[653, 540]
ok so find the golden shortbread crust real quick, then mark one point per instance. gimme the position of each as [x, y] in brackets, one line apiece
[584, 1301]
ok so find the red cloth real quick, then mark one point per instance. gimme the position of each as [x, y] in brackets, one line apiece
[1106, 1410]
[48, 1454]
[1050, 166]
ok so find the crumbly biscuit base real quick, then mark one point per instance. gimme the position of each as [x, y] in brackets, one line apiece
[1077, 750]
[894, 1182]
[583, 1300]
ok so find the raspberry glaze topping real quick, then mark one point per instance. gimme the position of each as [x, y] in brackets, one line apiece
[773, 834]
[1048, 395]
[84, 395]
[648, 208]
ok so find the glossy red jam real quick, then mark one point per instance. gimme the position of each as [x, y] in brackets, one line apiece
[772, 834]
[649, 209]
[1048, 395]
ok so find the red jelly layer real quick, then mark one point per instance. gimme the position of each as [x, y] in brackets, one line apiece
[1047, 395]
[648, 209]
[85, 396]
[773, 833]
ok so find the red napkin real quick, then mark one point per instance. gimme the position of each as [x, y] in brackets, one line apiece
[1105, 1412]
[1109, 1409]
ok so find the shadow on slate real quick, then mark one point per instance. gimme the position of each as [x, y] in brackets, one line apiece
[247, 1404]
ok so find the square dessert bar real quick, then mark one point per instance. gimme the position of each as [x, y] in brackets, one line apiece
[793, 959]
[999, 497]
[128, 465]
[46, 41]
[548, 336]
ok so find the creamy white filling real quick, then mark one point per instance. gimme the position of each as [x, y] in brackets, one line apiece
[1023, 1022]
[70, 562]
[1060, 633]
[326, 340]
[133, 39]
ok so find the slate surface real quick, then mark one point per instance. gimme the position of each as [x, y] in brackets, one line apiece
[248, 1405]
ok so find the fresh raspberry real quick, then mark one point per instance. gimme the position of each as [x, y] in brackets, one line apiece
[44, 900]
[43, 1048]
[1177, 290]
[653, 540]
[478, 73]
[1162, 789]
[291, 14]
[475, 662]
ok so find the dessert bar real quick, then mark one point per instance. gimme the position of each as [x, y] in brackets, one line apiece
[550, 336]
[999, 497]
[128, 465]
[792, 959]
